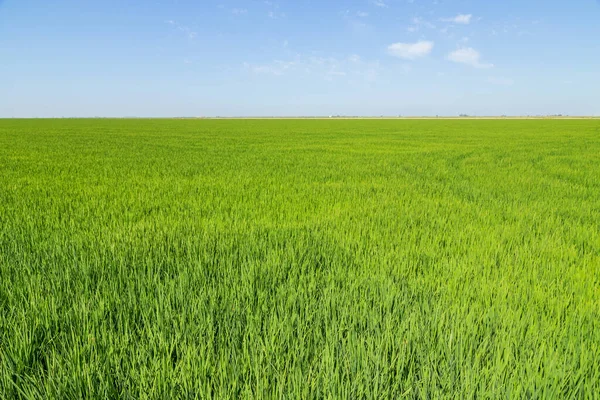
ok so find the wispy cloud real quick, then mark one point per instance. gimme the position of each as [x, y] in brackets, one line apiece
[275, 14]
[191, 34]
[418, 23]
[379, 3]
[273, 11]
[328, 68]
[356, 21]
[468, 56]
[238, 11]
[277, 67]
[411, 51]
[464, 19]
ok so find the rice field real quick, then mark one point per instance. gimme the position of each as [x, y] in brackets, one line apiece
[299, 259]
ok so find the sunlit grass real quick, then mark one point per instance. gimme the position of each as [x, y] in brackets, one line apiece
[299, 259]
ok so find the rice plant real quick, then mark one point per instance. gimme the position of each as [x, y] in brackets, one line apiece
[298, 259]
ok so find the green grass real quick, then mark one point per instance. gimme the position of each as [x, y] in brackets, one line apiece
[299, 259]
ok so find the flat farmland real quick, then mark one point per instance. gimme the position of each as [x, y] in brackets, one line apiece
[299, 259]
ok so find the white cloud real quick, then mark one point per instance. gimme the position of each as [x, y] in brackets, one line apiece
[273, 10]
[356, 21]
[276, 68]
[191, 34]
[379, 3]
[469, 56]
[238, 11]
[418, 23]
[463, 19]
[410, 51]
[351, 68]
[275, 15]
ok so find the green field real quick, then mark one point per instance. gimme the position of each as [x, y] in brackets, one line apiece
[299, 259]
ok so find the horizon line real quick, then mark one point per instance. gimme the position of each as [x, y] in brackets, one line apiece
[333, 117]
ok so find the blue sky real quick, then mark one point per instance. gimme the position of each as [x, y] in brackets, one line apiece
[302, 57]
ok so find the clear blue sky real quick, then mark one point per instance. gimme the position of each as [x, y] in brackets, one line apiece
[301, 57]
